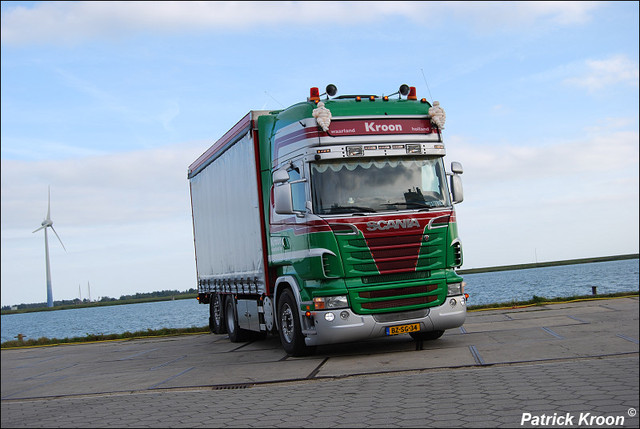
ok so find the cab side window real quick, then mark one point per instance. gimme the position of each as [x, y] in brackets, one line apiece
[297, 190]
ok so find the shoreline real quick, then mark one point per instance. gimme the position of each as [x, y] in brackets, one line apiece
[549, 264]
[149, 333]
[461, 272]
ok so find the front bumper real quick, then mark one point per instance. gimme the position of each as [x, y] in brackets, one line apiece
[347, 326]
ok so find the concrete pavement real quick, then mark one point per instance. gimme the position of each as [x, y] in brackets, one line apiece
[575, 362]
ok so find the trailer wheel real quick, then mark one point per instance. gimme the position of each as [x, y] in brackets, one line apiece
[426, 336]
[289, 326]
[216, 315]
[236, 334]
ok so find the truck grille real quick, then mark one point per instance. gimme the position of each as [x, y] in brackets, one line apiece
[386, 293]
[378, 305]
[392, 254]
[392, 298]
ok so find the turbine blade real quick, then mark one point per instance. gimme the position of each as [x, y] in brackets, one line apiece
[54, 231]
[49, 205]
[39, 229]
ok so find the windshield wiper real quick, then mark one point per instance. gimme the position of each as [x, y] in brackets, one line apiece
[417, 204]
[350, 209]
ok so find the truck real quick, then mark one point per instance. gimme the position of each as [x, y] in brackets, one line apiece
[330, 221]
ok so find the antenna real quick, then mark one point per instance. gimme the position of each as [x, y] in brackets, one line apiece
[425, 82]
[274, 99]
[48, 223]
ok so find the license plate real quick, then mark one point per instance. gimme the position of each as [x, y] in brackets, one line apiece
[403, 329]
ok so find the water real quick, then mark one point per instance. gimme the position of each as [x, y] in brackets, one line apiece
[552, 282]
[483, 288]
[113, 319]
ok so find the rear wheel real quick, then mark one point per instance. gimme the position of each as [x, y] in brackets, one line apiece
[216, 315]
[289, 326]
[426, 336]
[236, 334]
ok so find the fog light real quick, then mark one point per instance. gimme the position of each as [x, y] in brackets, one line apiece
[329, 317]
[453, 302]
[344, 315]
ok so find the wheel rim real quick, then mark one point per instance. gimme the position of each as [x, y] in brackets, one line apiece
[286, 323]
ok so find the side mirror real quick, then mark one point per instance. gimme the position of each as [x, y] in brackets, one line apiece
[280, 176]
[282, 199]
[456, 189]
[456, 167]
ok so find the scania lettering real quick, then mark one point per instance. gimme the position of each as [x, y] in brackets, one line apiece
[394, 223]
[330, 221]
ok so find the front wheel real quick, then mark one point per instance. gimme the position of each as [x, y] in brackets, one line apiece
[289, 326]
[426, 336]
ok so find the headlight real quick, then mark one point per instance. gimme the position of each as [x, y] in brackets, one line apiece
[330, 302]
[455, 289]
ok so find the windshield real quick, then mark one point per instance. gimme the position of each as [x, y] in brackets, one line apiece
[374, 185]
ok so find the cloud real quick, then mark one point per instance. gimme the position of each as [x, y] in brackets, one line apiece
[595, 156]
[124, 188]
[617, 69]
[77, 22]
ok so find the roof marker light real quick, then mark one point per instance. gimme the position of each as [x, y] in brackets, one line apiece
[314, 94]
[372, 98]
[385, 98]
[358, 98]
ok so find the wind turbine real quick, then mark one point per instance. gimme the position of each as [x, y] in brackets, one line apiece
[47, 223]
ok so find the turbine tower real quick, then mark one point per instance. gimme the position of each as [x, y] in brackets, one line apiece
[47, 223]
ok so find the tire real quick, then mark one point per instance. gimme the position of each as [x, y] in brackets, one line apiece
[426, 336]
[216, 315]
[236, 334]
[289, 326]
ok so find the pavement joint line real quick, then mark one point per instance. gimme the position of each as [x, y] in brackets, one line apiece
[317, 368]
[172, 377]
[36, 386]
[577, 318]
[551, 332]
[607, 307]
[325, 378]
[49, 372]
[462, 330]
[242, 346]
[37, 363]
[476, 355]
[167, 363]
[515, 329]
[138, 354]
[624, 337]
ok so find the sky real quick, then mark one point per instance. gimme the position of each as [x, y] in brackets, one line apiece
[107, 103]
